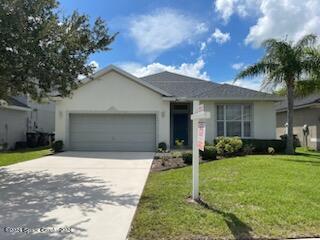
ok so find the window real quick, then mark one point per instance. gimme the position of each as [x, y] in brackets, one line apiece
[234, 120]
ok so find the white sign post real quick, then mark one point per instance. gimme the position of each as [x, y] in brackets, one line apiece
[198, 138]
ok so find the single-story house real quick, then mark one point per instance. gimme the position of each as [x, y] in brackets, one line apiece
[116, 111]
[19, 115]
[306, 112]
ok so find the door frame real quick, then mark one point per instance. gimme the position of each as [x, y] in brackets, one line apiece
[182, 111]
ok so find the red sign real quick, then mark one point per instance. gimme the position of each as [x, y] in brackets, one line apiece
[201, 135]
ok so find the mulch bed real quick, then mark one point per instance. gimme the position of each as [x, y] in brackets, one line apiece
[166, 163]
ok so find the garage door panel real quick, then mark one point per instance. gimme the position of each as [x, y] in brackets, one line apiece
[116, 132]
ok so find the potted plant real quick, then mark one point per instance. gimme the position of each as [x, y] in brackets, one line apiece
[179, 143]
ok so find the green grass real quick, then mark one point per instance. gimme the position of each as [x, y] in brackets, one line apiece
[12, 157]
[255, 196]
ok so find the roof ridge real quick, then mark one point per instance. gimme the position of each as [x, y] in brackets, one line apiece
[179, 74]
[231, 85]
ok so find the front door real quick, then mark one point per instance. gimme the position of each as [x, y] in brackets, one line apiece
[180, 127]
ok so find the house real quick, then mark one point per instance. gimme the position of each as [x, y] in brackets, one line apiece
[116, 111]
[306, 112]
[19, 115]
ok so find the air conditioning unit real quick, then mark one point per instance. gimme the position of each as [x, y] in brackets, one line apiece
[3, 103]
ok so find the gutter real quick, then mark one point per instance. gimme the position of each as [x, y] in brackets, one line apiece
[316, 105]
[16, 108]
[275, 99]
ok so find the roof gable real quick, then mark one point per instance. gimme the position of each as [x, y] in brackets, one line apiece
[110, 68]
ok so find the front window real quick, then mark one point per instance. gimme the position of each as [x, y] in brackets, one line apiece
[234, 120]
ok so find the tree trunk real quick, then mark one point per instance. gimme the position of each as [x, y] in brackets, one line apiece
[290, 97]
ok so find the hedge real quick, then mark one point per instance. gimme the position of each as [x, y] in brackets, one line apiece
[262, 145]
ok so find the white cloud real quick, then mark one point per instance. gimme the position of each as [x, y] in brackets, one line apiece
[252, 83]
[203, 46]
[219, 36]
[226, 8]
[190, 69]
[238, 66]
[282, 19]
[95, 65]
[285, 19]
[164, 29]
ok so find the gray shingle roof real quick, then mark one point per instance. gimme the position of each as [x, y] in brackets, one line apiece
[300, 102]
[14, 102]
[188, 87]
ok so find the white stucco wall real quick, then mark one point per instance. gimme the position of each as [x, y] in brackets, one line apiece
[264, 119]
[41, 117]
[13, 126]
[113, 93]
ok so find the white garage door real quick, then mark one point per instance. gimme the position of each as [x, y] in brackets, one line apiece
[113, 132]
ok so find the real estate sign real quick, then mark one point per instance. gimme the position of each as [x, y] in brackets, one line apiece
[198, 138]
[201, 108]
[201, 135]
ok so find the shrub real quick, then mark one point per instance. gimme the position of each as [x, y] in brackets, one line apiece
[262, 145]
[187, 158]
[20, 145]
[248, 149]
[162, 146]
[57, 146]
[176, 154]
[209, 153]
[4, 146]
[179, 143]
[228, 146]
[296, 141]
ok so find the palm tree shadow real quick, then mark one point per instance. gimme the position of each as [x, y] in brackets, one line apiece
[239, 229]
[39, 199]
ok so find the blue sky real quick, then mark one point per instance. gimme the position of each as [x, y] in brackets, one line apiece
[210, 39]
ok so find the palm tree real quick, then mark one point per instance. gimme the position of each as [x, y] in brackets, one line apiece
[290, 65]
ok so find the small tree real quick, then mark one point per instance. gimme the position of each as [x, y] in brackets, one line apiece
[292, 65]
[43, 52]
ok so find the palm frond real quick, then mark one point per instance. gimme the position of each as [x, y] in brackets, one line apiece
[306, 41]
[306, 87]
[274, 46]
[254, 70]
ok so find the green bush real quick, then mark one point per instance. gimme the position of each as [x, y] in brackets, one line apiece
[228, 146]
[162, 146]
[176, 154]
[296, 141]
[57, 146]
[262, 145]
[248, 149]
[209, 153]
[187, 157]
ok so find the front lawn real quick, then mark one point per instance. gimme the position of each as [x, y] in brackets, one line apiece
[12, 157]
[255, 196]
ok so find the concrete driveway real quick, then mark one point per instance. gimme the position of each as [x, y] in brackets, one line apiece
[73, 195]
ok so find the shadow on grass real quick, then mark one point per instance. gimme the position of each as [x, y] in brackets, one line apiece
[239, 229]
[40, 199]
[309, 154]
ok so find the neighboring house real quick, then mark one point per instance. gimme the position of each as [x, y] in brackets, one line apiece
[19, 115]
[306, 112]
[116, 111]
